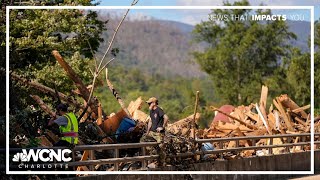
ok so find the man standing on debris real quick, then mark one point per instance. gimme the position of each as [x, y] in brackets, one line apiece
[68, 125]
[159, 119]
[157, 123]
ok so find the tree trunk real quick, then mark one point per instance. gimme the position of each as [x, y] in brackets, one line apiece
[84, 92]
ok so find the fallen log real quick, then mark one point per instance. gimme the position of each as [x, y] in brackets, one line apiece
[43, 106]
[84, 92]
[73, 76]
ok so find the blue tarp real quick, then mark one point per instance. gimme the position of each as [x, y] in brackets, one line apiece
[125, 126]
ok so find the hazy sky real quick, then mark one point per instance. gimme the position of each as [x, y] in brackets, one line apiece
[195, 16]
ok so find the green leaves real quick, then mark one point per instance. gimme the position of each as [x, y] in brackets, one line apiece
[41, 31]
[242, 55]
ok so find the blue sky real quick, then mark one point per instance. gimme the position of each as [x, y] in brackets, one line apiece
[195, 16]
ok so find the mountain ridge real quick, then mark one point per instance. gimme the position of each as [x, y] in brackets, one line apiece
[163, 47]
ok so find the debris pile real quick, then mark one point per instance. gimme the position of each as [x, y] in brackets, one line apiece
[283, 116]
[128, 125]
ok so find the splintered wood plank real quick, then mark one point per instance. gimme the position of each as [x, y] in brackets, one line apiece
[140, 116]
[264, 96]
[285, 100]
[300, 121]
[83, 158]
[277, 141]
[71, 73]
[117, 96]
[259, 132]
[301, 109]
[253, 116]
[296, 148]
[245, 142]
[264, 120]
[283, 114]
[272, 121]
[263, 102]
[136, 105]
[240, 112]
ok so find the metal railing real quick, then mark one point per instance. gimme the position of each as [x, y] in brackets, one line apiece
[143, 158]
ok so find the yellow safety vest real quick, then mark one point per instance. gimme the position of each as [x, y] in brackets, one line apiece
[70, 132]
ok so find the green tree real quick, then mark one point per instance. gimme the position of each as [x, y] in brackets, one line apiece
[35, 33]
[299, 77]
[76, 34]
[242, 55]
[317, 67]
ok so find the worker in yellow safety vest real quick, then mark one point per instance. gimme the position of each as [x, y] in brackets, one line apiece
[68, 125]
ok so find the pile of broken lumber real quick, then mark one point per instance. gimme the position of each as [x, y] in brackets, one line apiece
[283, 116]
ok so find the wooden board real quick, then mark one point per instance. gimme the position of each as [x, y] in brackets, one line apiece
[283, 115]
[136, 105]
[83, 158]
[289, 103]
[263, 102]
[140, 116]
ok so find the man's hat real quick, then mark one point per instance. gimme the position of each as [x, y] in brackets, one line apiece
[151, 100]
[62, 107]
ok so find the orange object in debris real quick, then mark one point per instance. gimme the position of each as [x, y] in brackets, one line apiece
[110, 125]
[221, 117]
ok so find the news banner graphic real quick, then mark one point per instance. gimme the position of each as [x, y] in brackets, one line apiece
[42, 159]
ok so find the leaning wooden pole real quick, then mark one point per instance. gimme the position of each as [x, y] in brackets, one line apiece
[42, 105]
[193, 130]
[72, 75]
[84, 92]
[116, 95]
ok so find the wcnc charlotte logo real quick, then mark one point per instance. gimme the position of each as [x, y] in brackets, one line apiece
[42, 158]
